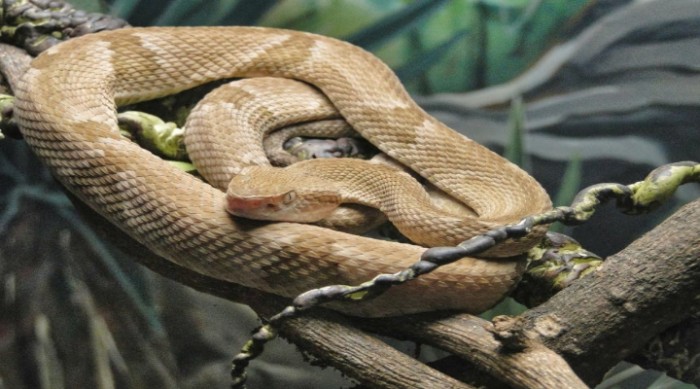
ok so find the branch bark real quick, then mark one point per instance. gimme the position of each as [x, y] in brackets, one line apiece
[639, 292]
[595, 323]
[472, 339]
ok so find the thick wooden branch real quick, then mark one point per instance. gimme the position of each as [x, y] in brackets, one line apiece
[635, 286]
[473, 340]
[639, 292]
[363, 356]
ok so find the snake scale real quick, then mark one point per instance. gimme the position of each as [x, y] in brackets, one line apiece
[66, 108]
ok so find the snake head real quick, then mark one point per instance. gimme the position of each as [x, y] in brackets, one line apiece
[260, 193]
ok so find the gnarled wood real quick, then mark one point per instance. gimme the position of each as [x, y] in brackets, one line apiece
[639, 292]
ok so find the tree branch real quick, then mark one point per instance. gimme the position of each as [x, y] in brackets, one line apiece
[473, 340]
[638, 293]
[634, 286]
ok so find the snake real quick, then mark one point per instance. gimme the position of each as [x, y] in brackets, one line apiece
[246, 122]
[66, 107]
[239, 115]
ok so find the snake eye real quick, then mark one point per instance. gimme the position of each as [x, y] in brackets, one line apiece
[289, 197]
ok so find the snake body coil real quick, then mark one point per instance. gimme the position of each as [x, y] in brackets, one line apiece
[66, 108]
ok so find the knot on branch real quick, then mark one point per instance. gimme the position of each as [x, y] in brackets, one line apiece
[511, 332]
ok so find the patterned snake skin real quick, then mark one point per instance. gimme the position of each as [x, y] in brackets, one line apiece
[66, 109]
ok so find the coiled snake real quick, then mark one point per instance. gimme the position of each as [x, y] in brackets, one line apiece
[66, 108]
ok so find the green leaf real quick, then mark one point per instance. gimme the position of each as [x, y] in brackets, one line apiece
[569, 187]
[395, 24]
[570, 182]
[248, 13]
[515, 149]
[178, 10]
[425, 60]
[89, 5]
[123, 8]
[500, 4]
[506, 307]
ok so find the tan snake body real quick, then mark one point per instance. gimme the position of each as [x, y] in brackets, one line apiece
[224, 137]
[227, 129]
[66, 108]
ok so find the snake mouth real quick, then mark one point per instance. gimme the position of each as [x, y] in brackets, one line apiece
[249, 206]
